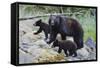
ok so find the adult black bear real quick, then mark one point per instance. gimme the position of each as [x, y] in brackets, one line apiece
[66, 27]
[43, 27]
[66, 46]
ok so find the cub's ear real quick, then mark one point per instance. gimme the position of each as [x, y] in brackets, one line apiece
[40, 20]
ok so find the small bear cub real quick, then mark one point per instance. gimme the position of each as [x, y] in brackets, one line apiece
[68, 45]
[43, 27]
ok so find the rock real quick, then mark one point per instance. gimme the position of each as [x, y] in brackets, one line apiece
[45, 55]
[67, 38]
[72, 58]
[90, 43]
[40, 55]
[33, 48]
[26, 25]
[92, 52]
[55, 49]
[25, 57]
[42, 44]
[70, 38]
[29, 38]
[48, 55]
[21, 33]
[82, 53]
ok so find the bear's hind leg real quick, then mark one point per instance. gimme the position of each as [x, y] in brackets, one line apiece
[71, 52]
[66, 53]
[75, 54]
[79, 42]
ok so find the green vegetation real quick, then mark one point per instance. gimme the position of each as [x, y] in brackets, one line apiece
[86, 16]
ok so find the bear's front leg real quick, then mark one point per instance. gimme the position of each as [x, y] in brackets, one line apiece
[46, 35]
[63, 37]
[39, 31]
[52, 37]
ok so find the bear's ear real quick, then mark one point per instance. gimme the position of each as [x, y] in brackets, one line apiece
[40, 20]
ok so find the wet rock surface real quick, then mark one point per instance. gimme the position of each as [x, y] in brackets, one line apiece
[34, 49]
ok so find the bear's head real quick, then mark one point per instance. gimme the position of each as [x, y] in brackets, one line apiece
[37, 23]
[54, 24]
[55, 43]
[54, 21]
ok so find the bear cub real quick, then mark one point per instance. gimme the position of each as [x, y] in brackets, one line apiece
[43, 27]
[69, 46]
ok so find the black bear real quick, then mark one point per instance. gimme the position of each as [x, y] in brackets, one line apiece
[43, 27]
[69, 46]
[66, 27]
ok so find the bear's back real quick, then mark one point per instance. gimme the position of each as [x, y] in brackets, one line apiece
[68, 45]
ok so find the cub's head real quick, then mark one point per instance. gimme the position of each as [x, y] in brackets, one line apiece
[37, 23]
[55, 43]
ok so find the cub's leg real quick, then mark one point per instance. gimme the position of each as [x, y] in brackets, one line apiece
[39, 31]
[65, 51]
[59, 51]
[75, 54]
[71, 52]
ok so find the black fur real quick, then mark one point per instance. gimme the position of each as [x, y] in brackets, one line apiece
[66, 46]
[66, 27]
[43, 27]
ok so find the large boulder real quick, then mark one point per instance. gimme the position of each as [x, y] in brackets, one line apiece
[36, 54]
[25, 57]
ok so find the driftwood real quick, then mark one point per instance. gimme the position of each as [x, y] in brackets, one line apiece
[46, 15]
